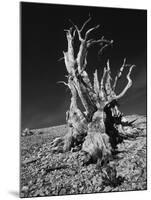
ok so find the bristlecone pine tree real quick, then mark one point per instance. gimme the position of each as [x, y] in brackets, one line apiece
[98, 128]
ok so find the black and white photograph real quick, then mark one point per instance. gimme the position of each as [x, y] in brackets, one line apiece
[83, 74]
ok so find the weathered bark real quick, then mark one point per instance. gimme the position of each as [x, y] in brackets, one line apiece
[96, 130]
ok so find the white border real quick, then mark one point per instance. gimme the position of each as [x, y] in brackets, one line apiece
[9, 99]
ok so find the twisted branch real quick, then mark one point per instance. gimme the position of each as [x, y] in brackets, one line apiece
[102, 91]
[129, 84]
[120, 73]
[108, 87]
[96, 83]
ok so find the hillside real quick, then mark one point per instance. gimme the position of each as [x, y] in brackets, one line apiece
[47, 174]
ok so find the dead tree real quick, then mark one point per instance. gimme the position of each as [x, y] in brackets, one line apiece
[97, 129]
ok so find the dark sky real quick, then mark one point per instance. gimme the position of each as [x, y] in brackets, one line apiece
[43, 101]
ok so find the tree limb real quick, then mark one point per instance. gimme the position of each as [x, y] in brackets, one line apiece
[85, 23]
[90, 30]
[63, 82]
[96, 83]
[129, 84]
[102, 91]
[120, 73]
[108, 87]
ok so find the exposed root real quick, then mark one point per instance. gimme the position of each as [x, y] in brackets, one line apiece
[97, 145]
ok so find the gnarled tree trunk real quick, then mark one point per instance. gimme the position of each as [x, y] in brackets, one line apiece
[98, 129]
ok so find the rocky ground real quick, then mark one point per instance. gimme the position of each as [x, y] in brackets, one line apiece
[46, 174]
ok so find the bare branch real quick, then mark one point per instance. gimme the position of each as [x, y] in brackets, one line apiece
[90, 30]
[81, 57]
[85, 23]
[63, 82]
[120, 73]
[108, 66]
[102, 91]
[103, 77]
[102, 42]
[82, 53]
[96, 82]
[60, 59]
[70, 39]
[108, 87]
[69, 55]
[80, 30]
[77, 29]
[106, 45]
[84, 97]
[85, 79]
[68, 64]
[129, 84]
[85, 61]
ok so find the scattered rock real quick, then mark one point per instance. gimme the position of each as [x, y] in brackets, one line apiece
[44, 173]
[107, 189]
[62, 191]
[24, 189]
[47, 179]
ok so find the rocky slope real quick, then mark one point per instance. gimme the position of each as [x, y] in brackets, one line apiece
[46, 174]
